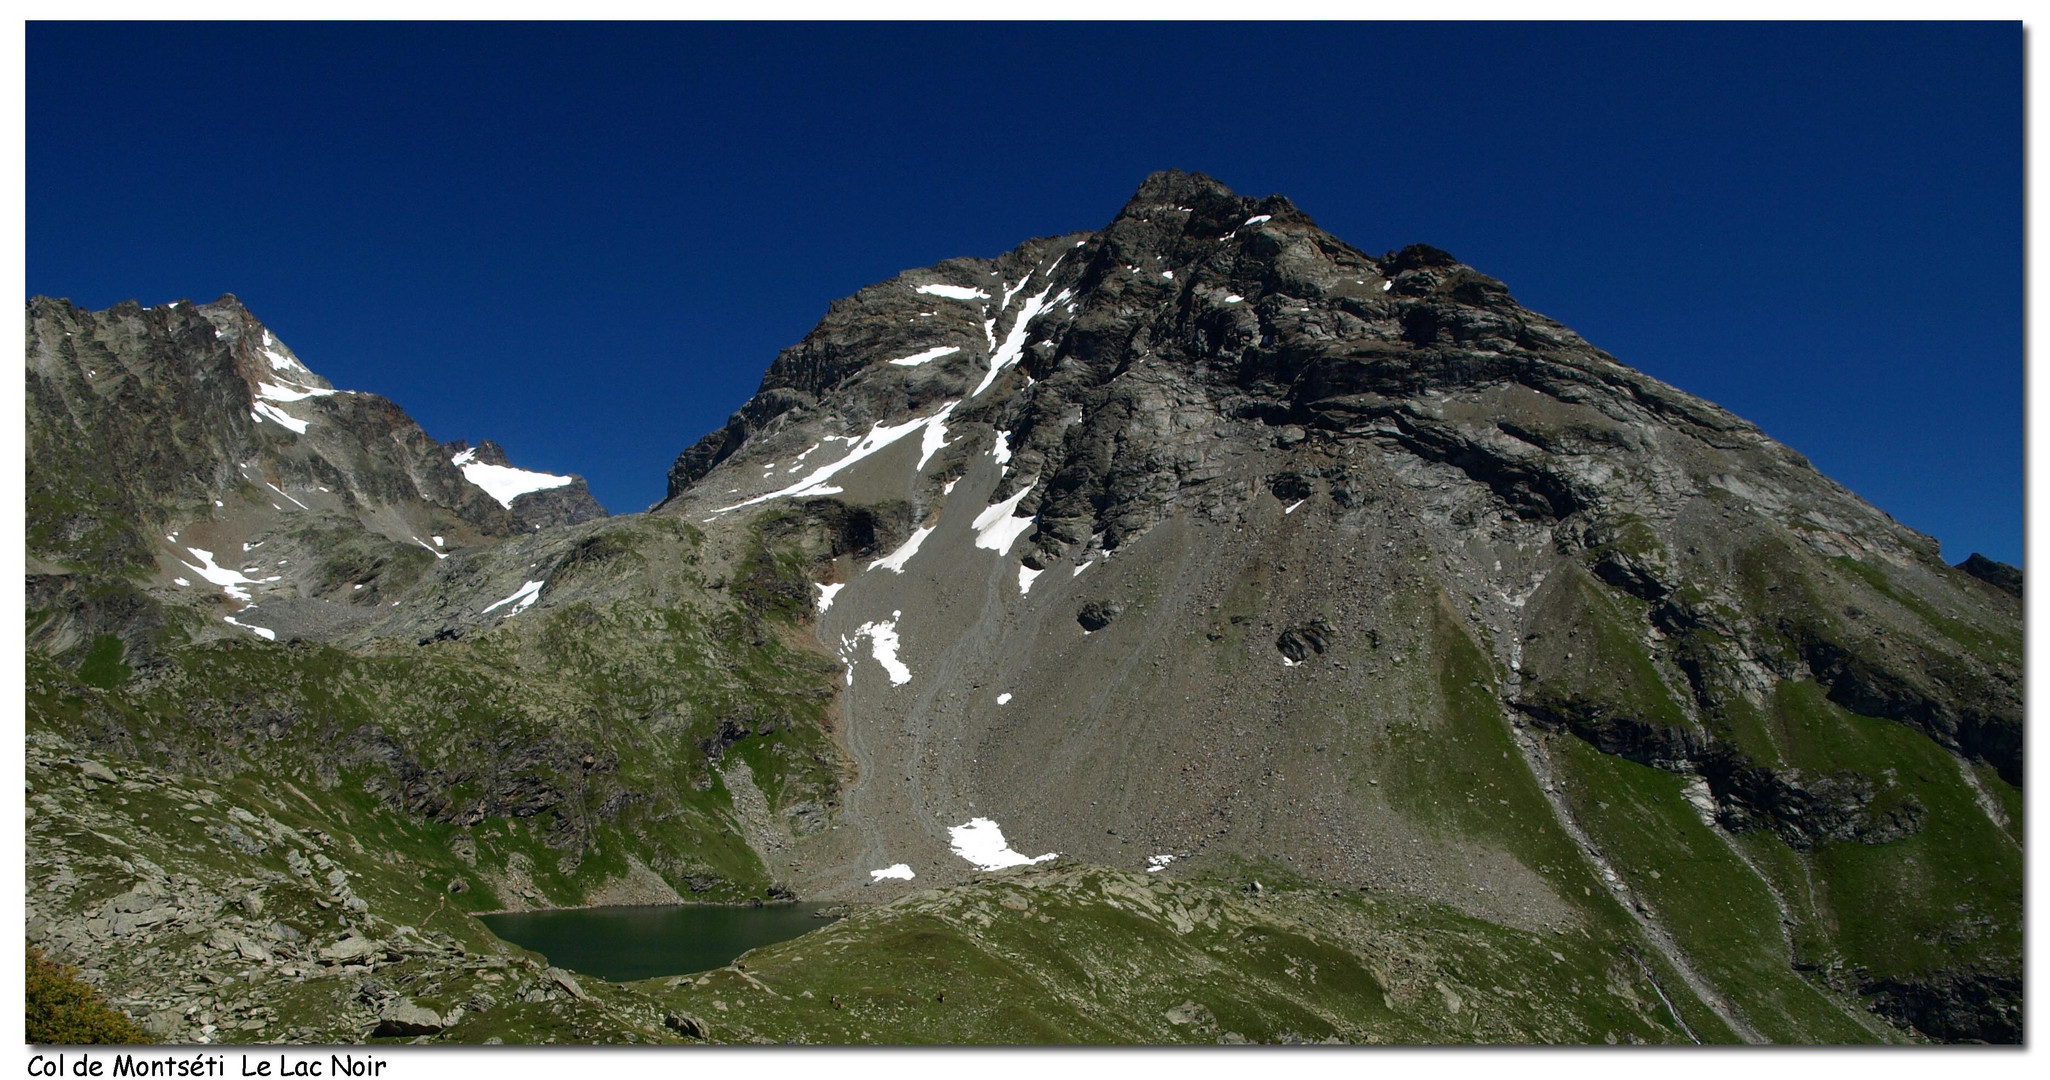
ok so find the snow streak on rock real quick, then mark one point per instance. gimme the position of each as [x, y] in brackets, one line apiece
[929, 355]
[520, 601]
[878, 438]
[895, 560]
[953, 292]
[1014, 342]
[262, 632]
[935, 437]
[996, 528]
[272, 392]
[264, 410]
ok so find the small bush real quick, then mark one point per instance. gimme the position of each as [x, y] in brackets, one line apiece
[62, 1011]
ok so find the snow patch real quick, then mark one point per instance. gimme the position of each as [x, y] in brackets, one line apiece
[423, 543]
[882, 644]
[1084, 566]
[1387, 285]
[1234, 299]
[982, 843]
[897, 871]
[182, 581]
[935, 437]
[265, 634]
[1292, 506]
[826, 595]
[1013, 291]
[264, 410]
[1014, 341]
[927, 356]
[278, 360]
[290, 393]
[1258, 219]
[1003, 699]
[503, 482]
[1026, 575]
[953, 292]
[1002, 450]
[1156, 863]
[230, 581]
[996, 528]
[520, 601]
[895, 560]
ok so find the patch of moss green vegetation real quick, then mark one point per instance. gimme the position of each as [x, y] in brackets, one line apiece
[1462, 775]
[1721, 913]
[1589, 663]
[1091, 955]
[1739, 724]
[1992, 646]
[570, 749]
[1948, 895]
[1814, 949]
[72, 518]
[102, 666]
[351, 556]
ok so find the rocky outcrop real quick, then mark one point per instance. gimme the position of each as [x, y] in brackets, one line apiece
[1954, 1006]
[2007, 579]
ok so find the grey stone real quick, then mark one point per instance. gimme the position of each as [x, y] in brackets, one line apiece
[404, 1019]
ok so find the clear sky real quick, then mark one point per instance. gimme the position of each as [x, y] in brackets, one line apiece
[588, 241]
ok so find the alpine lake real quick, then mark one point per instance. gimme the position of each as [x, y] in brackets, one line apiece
[622, 944]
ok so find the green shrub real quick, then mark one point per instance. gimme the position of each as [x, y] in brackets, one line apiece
[63, 1011]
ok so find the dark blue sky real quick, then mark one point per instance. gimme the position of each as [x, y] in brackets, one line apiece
[588, 241]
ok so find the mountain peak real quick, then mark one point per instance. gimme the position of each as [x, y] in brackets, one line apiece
[1175, 185]
[1210, 204]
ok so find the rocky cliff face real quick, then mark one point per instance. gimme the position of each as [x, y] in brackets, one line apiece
[1207, 534]
[186, 447]
[1203, 548]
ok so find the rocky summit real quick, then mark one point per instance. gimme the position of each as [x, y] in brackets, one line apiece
[1193, 630]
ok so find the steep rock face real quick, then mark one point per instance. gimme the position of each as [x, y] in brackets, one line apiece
[1380, 539]
[156, 434]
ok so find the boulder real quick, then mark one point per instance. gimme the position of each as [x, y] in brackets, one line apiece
[352, 948]
[568, 982]
[687, 1025]
[1095, 616]
[403, 1019]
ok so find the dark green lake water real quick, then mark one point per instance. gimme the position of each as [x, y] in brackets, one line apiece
[620, 944]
